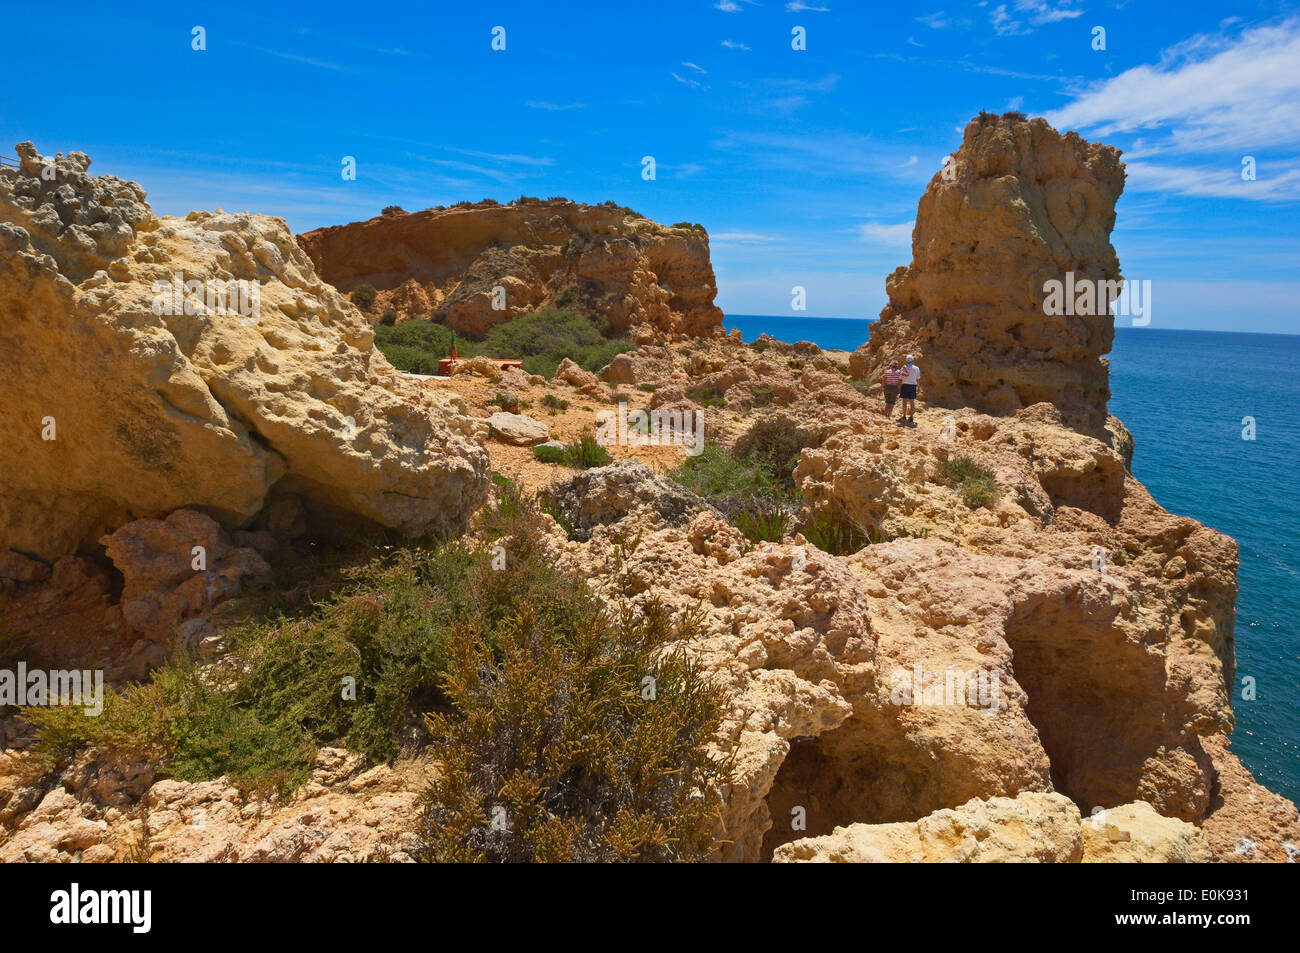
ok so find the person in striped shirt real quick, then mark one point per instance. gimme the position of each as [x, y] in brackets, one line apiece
[892, 378]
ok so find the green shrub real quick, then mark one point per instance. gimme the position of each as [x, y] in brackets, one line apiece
[389, 317]
[555, 403]
[392, 210]
[978, 487]
[551, 737]
[363, 296]
[715, 474]
[551, 454]
[545, 338]
[532, 692]
[708, 395]
[417, 346]
[586, 453]
[774, 443]
[831, 529]
[762, 518]
[744, 491]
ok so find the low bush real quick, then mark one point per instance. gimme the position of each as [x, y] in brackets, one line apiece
[774, 443]
[363, 296]
[587, 452]
[978, 487]
[831, 529]
[582, 725]
[551, 454]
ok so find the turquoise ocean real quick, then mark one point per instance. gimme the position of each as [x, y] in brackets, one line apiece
[1184, 395]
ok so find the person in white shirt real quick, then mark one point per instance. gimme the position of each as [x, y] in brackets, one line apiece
[907, 393]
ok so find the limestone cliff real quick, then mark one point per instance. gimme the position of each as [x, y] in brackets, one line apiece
[148, 364]
[602, 260]
[1018, 205]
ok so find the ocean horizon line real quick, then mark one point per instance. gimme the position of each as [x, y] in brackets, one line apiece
[1118, 327]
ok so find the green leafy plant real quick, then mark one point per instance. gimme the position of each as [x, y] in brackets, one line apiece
[586, 452]
[978, 486]
[551, 454]
[832, 529]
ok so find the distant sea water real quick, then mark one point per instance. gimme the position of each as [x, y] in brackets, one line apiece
[1184, 395]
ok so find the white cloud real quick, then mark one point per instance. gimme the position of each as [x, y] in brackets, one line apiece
[1014, 104]
[692, 83]
[1214, 182]
[887, 236]
[698, 69]
[554, 107]
[1241, 94]
[726, 6]
[1035, 12]
[938, 20]
[797, 7]
[733, 45]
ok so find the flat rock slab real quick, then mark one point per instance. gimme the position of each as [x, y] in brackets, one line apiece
[517, 429]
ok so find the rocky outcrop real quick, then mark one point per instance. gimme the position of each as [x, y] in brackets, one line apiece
[151, 364]
[605, 495]
[1018, 205]
[348, 812]
[602, 260]
[1031, 828]
[1136, 834]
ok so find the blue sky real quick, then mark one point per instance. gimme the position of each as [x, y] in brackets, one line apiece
[804, 165]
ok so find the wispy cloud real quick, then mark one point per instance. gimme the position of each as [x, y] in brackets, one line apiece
[698, 69]
[733, 45]
[745, 238]
[940, 20]
[797, 7]
[726, 6]
[296, 58]
[692, 83]
[1034, 12]
[512, 158]
[554, 107]
[892, 237]
[1213, 182]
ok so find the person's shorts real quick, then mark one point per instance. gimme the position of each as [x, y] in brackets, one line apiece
[891, 393]
[908, 392]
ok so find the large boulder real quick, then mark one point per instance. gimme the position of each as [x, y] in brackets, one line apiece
[150, 364]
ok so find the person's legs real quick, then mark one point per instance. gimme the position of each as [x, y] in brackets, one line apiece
[889, 410]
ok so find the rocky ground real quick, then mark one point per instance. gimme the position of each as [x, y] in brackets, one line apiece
[1105, 622]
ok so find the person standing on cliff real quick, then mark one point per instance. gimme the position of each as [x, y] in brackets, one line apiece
[911, 378]
[892, 378]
